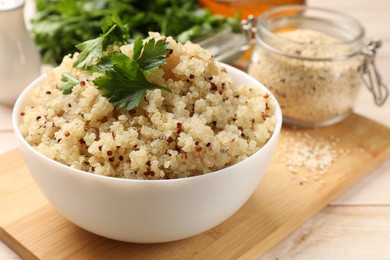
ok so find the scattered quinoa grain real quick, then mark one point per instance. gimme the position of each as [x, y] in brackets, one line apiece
[313, 156]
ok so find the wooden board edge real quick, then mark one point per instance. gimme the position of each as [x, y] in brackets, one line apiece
[16, 246]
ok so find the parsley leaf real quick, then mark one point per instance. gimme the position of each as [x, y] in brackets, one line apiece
[150, 55]
[103, 65]
[125, 84]
[68, 83]
[91, 50]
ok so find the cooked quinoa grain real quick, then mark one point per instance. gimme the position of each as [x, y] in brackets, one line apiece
[209, 122]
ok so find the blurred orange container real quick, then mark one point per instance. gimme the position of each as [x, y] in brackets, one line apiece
[246, 7]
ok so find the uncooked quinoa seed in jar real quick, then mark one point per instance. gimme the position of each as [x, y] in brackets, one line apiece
[314, 61]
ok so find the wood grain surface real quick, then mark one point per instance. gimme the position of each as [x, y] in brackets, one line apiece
[322, 235]
[33, 229]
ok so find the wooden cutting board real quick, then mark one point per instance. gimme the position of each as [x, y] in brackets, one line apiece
[283, 201]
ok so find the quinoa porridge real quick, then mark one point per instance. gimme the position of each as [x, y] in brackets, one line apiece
[207, 123]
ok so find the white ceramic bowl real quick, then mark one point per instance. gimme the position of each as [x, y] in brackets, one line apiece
[147, 211]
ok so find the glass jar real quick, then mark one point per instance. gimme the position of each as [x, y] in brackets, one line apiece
[314, 61]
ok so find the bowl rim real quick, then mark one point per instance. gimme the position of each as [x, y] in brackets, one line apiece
[28, 90]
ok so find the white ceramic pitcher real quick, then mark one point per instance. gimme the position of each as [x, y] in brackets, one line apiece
[19, 59]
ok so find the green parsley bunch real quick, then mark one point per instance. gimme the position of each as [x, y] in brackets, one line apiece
[59, 25]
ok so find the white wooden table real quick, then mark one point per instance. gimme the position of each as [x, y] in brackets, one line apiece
[356, 225]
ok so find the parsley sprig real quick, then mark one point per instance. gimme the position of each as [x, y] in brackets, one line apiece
[124, 82]
[123, 79]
